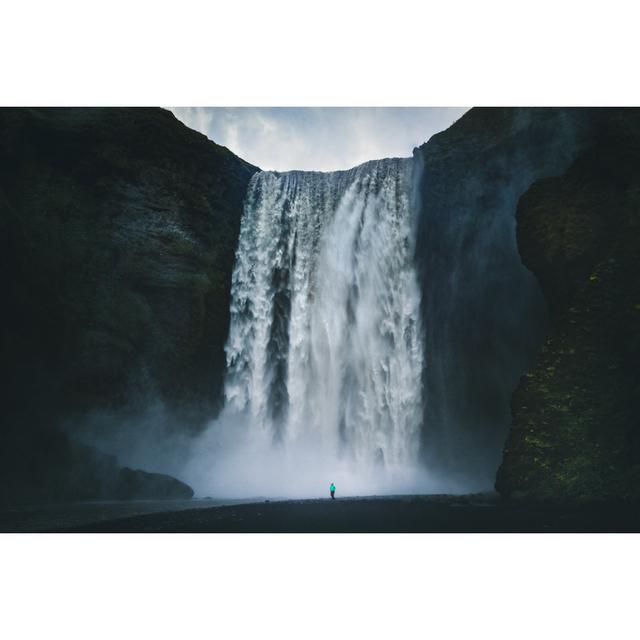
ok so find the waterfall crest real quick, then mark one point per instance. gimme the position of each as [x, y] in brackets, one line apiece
[325, 342]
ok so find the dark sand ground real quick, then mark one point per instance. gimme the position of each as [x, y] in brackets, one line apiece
[485, 513]
[64, 516]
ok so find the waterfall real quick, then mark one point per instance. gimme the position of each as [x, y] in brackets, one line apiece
[325, 349]
[325, 342]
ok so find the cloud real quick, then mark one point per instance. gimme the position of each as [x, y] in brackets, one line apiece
[318, 138]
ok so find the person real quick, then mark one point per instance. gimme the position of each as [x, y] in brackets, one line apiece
[332, 489]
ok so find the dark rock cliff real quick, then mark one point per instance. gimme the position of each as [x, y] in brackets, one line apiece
[484, 314]
[119, 228]
[576, 413]
[561, 300]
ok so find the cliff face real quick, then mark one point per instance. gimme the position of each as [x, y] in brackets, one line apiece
[576, 413]
[119, 228]
[574, 177]
[484, 314]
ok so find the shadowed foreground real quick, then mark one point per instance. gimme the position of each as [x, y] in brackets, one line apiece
[389, 514]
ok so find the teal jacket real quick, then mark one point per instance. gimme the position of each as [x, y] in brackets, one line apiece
[332, 487]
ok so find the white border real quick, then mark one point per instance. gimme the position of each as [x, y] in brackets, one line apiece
[319, 587]
[335, 52]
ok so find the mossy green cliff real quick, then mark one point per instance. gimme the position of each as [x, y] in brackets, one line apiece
[576, 414]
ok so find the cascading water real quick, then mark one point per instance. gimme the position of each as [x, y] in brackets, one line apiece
[325, 351]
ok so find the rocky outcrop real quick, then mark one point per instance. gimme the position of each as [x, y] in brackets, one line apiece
[79, 472]
[576, 413]
[118, 233]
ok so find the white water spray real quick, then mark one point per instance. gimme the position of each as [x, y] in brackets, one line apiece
[325, 349]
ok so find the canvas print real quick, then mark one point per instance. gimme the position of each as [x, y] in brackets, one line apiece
[320, 319]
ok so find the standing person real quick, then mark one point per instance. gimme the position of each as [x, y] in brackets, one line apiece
[332, 489]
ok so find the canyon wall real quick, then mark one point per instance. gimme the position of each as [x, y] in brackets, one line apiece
[483, 311]
[576, 412]
[119, 228]
[544, 302]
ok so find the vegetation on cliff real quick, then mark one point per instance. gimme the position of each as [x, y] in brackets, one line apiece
[576, 414]
[484, 314]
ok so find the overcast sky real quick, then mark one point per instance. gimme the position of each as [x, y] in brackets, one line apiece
[318, 138]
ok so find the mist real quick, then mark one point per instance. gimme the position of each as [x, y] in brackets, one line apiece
[232, 459]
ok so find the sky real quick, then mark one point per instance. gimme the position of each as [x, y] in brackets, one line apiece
[318, 138]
